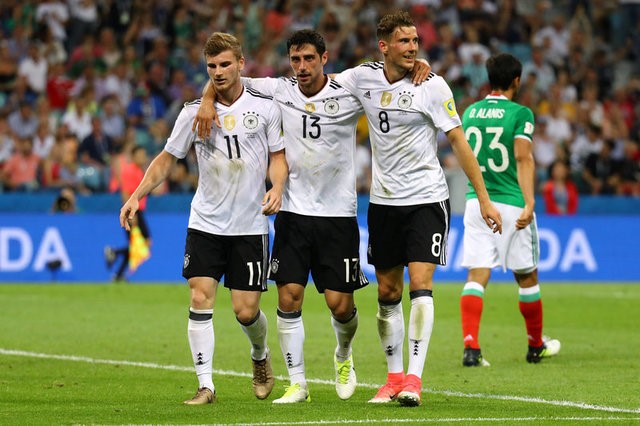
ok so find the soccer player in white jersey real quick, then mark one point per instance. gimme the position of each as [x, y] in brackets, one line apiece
[500, 131]
[316, 230]
[408, 215]
[228, 228]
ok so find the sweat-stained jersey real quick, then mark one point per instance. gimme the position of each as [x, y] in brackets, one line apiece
[404, 120]
[232, 163]
[491, 126]
[319, 137]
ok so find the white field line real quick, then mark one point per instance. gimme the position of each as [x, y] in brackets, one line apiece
[580, 405]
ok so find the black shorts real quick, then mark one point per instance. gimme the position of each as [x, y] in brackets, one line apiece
[402, 234]
[328, 247]
[242, 259]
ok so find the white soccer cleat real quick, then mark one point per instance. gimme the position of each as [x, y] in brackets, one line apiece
[292, 394]
[345, 377]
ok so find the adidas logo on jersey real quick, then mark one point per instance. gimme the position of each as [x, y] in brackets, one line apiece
[367, 94]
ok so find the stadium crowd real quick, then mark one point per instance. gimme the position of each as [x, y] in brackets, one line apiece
[83, 82]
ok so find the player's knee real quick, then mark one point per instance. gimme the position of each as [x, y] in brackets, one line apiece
[245, 314]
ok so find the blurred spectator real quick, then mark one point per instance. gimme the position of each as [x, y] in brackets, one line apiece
[77, 116]
[58, 87]
[52, 49]
[601, 172]
[117, 83]
[560, 194]
[112, 54]
[20, 171]
[144, 108]
[43, 140]
[53, 15]
[6, 140]
[34, 68]
[180, 180]
[584, 145]
[112, 116]
[545, 149]
[544, 73]
[554, 39]
[630, 170]
[84, 20]
[23, 122]
[8, 71]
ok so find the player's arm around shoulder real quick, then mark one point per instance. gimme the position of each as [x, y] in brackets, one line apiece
[469, 164]
[278, 167]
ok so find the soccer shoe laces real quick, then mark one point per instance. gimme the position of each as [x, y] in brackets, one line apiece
[344, 368]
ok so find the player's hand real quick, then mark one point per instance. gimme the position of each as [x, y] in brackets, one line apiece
[491, 217]
[420, 71]
[525, 218]
[128, 213]
[272, 202]
[205, 117]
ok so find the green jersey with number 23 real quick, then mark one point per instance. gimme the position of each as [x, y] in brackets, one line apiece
[491, 126]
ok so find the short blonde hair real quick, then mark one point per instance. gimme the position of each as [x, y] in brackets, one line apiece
[220, 42]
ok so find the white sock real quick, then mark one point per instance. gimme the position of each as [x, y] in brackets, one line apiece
[202, 342]
[391, 332]
[291, 336]
[420, 327]
[256, 331]
[345, 331]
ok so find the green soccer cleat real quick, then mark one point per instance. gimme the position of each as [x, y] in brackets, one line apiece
[292, 394]
[550, 347]
[345, 377]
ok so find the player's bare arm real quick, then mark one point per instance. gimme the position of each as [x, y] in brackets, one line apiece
[156, 173]
[206, 114]
[526, 170]
[469, 164]
[278, 172]
[419, 73]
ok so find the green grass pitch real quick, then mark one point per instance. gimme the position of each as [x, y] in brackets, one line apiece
[118, 354]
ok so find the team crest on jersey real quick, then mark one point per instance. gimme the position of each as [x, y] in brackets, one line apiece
[275, 264]
[385, 100]
[331, 106]
[186, 261]
[405, 100]
[229, 122]
[450, 106]
[310, 107]
[250, 120]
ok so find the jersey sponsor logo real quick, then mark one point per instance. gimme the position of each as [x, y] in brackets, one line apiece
[250, 120]
[229, 122]
[450, 106]
[310, 107]
[405, 100]
[528, 128]
[385, 100]
[331, 106]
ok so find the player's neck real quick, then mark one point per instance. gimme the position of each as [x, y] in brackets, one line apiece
[231, 95]
[315, 87]
[394, 73]
[506, 93]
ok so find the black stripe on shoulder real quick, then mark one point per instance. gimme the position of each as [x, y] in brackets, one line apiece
[292, 80]
[193, 102]
[431, 75]
[373, 65]
[257, 94]
[334, 84]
